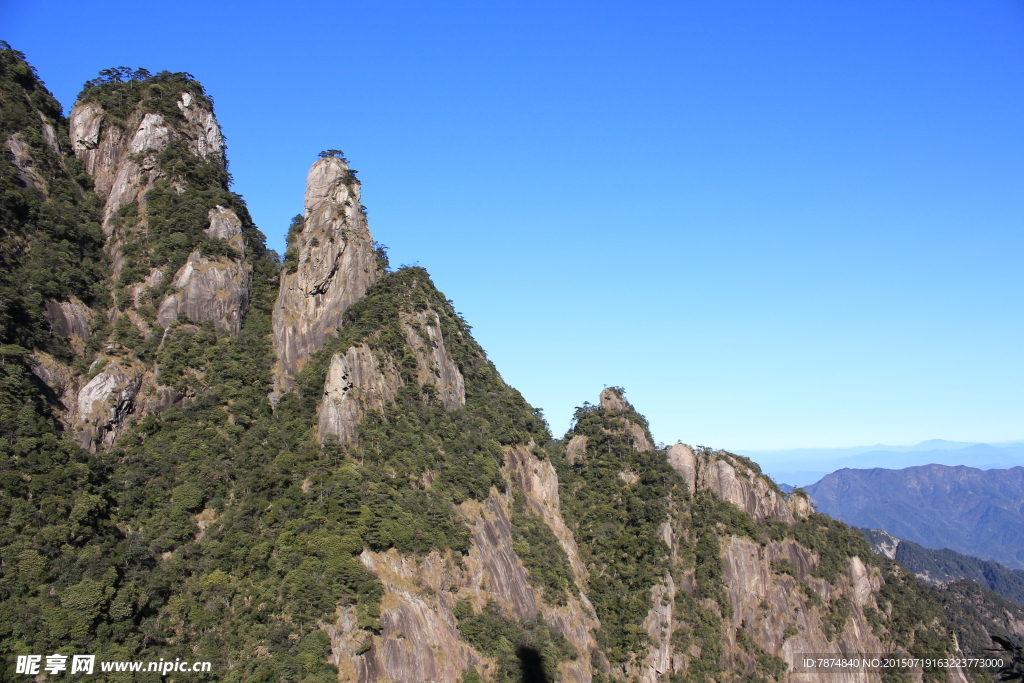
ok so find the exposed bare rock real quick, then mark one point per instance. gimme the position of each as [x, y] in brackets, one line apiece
[61, 382]
[434, 365]
[155, 278]
[159, 398]
[137, 170]
[612, 400]
[576, 449]
[731, 480]
[346, 641]
[215, 289]
[204, 520]
[98, 147]
[682, 459]
[121, 157]
[576, 619]
[658, 625]
[748, 491]
[357, 381]
[861, 582]
[49, 135]
[336, 265]
[225, 225]
[639, 437]
[539, 482]
[19, 155]
[104, 404]
[499, 569]
[203, 135]
[419, 638]
[69, 319]
[883, 543]
[767, 604]
[799, 504]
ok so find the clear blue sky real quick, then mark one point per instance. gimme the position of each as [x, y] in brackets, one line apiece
[776, 224]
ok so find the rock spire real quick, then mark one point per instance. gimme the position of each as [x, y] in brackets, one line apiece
[336, 264]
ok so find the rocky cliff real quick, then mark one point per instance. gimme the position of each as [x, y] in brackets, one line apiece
[364, 378]
[175, 237]
[398, 512]
[333, 263]
[212, 288]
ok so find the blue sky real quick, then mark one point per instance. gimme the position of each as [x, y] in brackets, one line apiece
[776, 224]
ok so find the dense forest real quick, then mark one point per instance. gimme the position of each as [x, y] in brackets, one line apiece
[162, 501]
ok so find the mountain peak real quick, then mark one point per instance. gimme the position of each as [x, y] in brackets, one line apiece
[326, 182]
[330, 263]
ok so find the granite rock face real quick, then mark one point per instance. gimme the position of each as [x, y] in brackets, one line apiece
[434, 365]
[70, 319]
[771, 606]
[21, 157]
[212, 288]
[336, 265]
[122, 158]
[733, 481]
[363, 379]
[419, 637]
[62, 384]
[357, 381]
[104, 404]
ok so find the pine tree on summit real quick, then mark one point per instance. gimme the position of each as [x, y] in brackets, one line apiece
[336, 153]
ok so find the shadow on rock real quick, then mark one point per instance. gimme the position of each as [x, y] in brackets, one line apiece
[531, 664]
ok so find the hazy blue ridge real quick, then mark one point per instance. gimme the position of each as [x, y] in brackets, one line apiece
[800, 467]
[974, 512]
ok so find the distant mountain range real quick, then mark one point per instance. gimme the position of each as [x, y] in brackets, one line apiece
[803, 466]
[971, 511]
[942, 567]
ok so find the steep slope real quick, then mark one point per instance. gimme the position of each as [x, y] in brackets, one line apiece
[979, 598]
[942, 567]
[83, 351]
[52, 261]
[326, 483]
[330, 263]
[700, 569]
[182, 249]
[974, 512]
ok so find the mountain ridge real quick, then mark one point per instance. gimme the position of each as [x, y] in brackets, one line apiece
[309, 470]
[803, 469]
[974, 512]
[944, 566]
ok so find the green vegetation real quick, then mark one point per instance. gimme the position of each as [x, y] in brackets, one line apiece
[291, 254]
[702, 629]
[49, 218]
[947, 566]
[511, 642]
[220, 528]
[976, 614]
[287, 518]
[614, 498]
[833, 542]
[836, 617]
[541, 553]
[122, 92]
